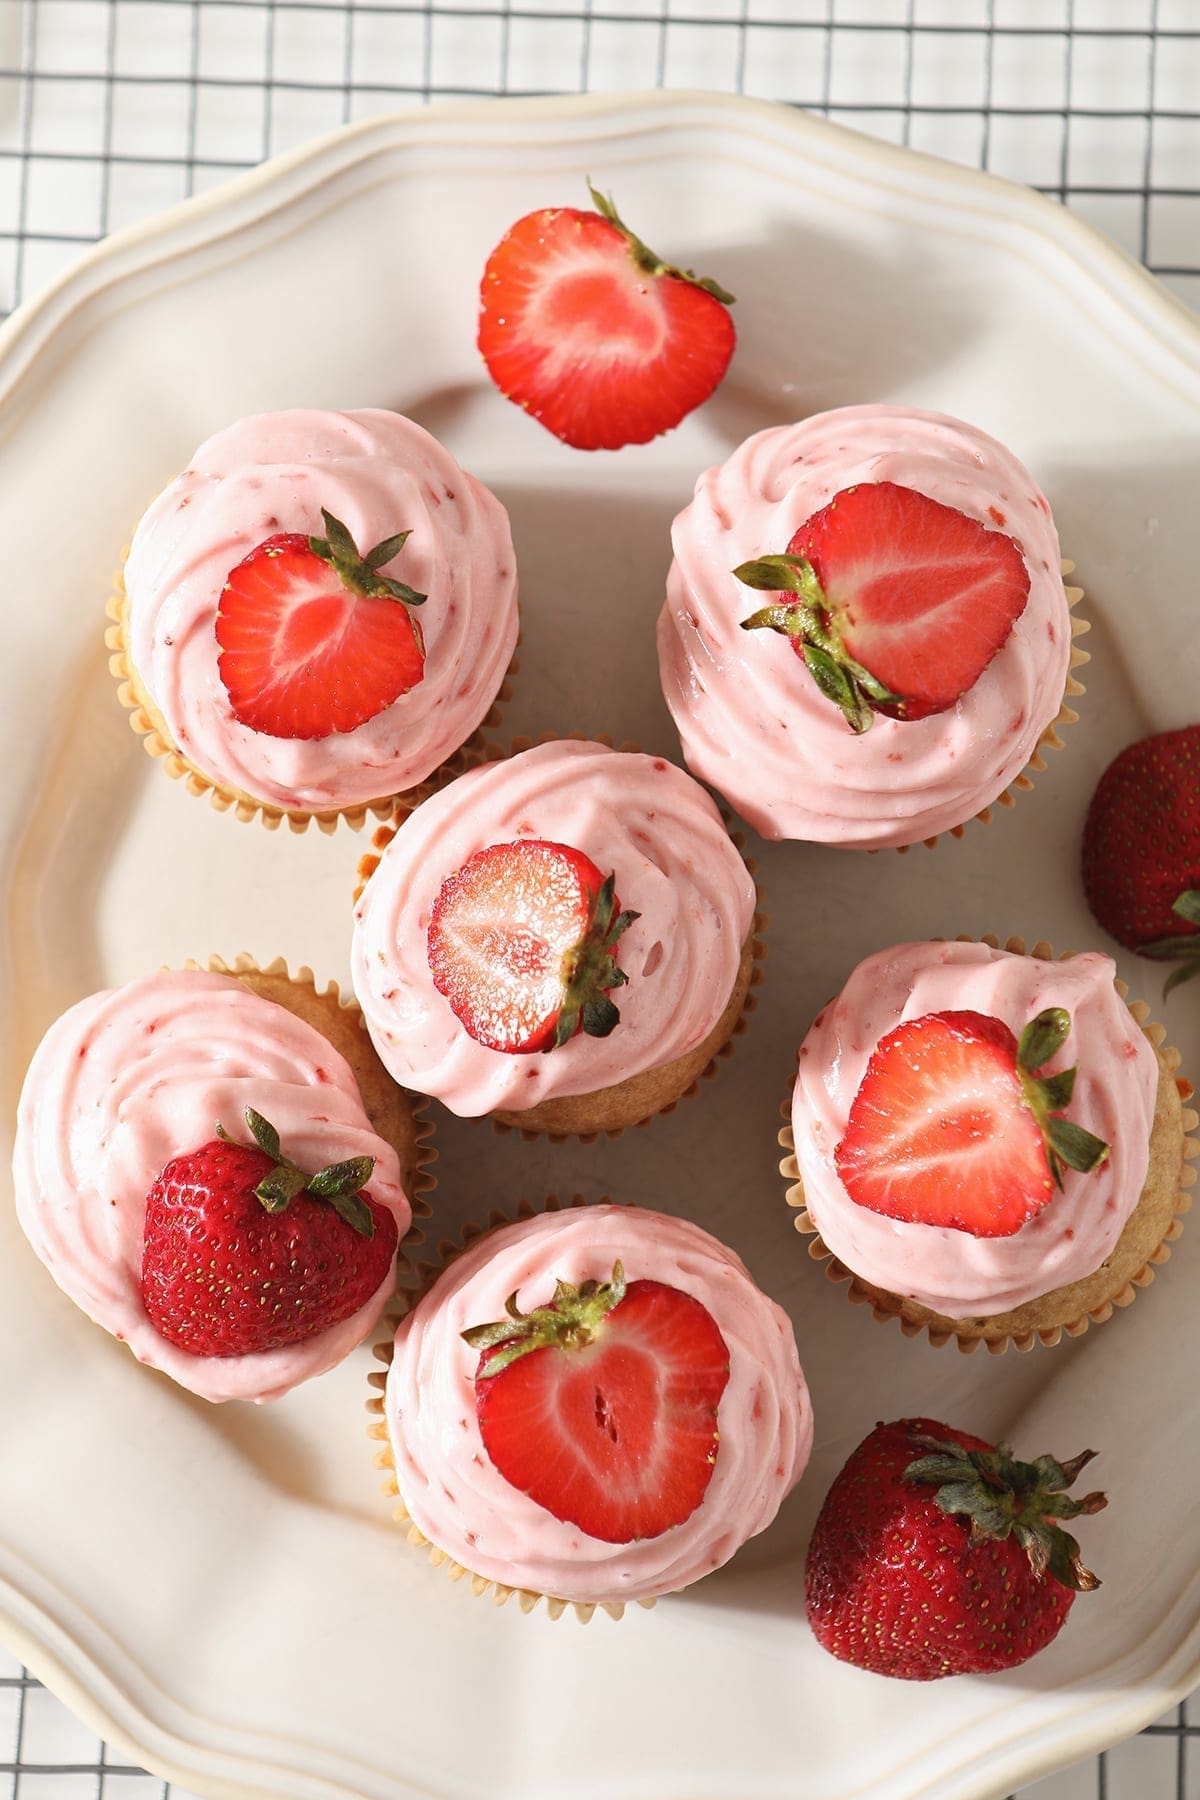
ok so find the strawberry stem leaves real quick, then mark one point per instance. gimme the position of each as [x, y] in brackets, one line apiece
[339, 1184]
[646, 259]
[590, 969]
[359, 573]
[807, 621]
[1002, 1497]
[571, 1320]
[1067, 1145]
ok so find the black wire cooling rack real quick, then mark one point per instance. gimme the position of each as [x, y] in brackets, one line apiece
[112, 109]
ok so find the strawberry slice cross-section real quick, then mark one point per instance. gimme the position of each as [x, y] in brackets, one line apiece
[602, 1405]
[953, 1126]
[314, 640]
[895, 603]
[593, 334]
[522, 944]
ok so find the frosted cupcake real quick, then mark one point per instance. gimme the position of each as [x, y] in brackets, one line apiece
[316, 615]
[595, 1406]
[990, 1145]
[214, 1167]
[866, 639]
[563, 939]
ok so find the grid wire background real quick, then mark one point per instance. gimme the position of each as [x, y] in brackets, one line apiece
[113, 109]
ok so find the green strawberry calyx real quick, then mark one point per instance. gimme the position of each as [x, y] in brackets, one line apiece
[808, 622]
[646, 259]
[590, 969]
[1067, 1145]
[570, 1320]
[1003, 1497]
[1183, 949]
[340, 1184]
[360, 574]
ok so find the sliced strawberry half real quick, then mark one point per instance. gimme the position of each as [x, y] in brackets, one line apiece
[522, 944]
[314, 640]
[593, 334]
[602, 1405]
[952, 1126]
[900, 603]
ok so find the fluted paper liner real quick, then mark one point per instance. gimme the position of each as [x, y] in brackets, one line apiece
[400, 1118]
[149, 724]
[632, 1103]
[426, 1275]
[1156, 1221]
[1049, 740]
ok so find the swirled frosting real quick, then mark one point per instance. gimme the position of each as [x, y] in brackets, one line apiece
[636, 816]
[950, 1271]
[752, 721]
[467, 1508]
[380, 474]
[139, 1074]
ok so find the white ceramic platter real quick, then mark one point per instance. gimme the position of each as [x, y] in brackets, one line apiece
[221, 1590]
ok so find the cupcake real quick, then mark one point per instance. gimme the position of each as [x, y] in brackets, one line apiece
[991, 1145]
[214, 1167]
[563, 939]
[866, 639]
[315, 616]
[595, 1406]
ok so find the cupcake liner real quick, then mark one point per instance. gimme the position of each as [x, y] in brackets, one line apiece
[1049, 740]
[401, 1118]
[157, 741]
[1082, 1303]
[681, 1078]
[424, 1276]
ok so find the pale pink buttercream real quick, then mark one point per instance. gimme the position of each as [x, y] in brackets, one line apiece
[379, 474]
[751, 719]
[638, 817]
[951, 1271]
[466, 1507]
[137, 1075]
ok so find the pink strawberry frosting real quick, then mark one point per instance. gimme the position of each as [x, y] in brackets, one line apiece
[461, 1502]
[379, 474]
[950, 1271]
[139, 1074]
[636, 816]
[751, 719]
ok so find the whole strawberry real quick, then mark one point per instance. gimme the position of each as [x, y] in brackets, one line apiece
[244, 1252]
[936, 1553]
[1141, 850]
[592, 334]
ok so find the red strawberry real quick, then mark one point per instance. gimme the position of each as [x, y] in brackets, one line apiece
[584, 327]
[902, 602]
[1141, 850]
[935, 1554]
[602, 1405]
[244, 1252]
[522, 944]
[952, 1126]
[313, 639]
